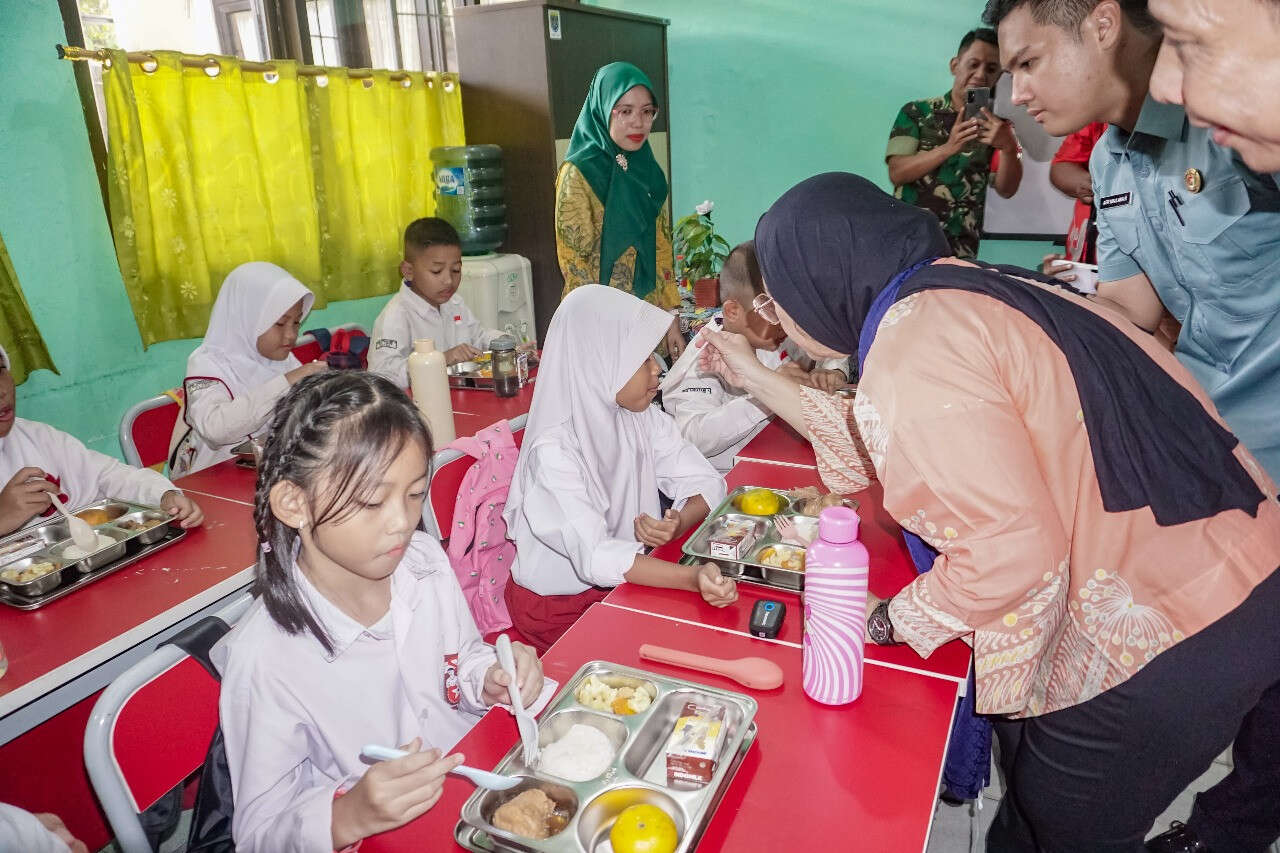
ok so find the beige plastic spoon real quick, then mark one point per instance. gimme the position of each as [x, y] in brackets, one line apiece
[81, 533]
[753, 672]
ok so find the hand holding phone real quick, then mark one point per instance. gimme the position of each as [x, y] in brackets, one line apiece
[975, 101]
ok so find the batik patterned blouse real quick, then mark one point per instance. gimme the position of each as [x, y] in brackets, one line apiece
[579, 223]
[969, 416]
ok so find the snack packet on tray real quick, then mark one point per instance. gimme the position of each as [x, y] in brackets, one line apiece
[694, 744]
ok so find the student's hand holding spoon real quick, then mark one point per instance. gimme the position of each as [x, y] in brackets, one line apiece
[26, 494]
[528, 674]
[460, 353]
[390, 794]
[653, 532]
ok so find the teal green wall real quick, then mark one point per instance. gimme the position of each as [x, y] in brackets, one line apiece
[52, 221]
[764, 93]
[768, 92]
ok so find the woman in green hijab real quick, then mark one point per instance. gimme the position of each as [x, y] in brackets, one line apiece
[611, 214]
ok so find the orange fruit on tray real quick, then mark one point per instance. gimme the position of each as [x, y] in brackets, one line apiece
[759, 502]
[643, 829]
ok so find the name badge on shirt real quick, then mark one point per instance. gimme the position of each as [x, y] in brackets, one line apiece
[1117, 200]
[452, 687]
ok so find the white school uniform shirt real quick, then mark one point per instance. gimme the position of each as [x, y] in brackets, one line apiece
[295, 717]
[588, 467]
[22, 832]
[408, 317]
[719, 420]
[230, 389]
[82, 475]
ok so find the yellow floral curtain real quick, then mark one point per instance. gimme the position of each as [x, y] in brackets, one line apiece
[18, 332]
[317, 174]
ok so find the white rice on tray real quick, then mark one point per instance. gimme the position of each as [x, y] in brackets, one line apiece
[581, 755]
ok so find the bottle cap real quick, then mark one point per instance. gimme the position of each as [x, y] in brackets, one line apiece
[502, 343]
[424, 345]
[838, 525]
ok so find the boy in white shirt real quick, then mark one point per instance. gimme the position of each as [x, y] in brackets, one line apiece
[37, 461]
[428, 305]
[720, 420]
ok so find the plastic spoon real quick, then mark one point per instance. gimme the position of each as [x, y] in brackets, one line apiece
[524, 721]
[482, 778]
[81, 533]
[756, 673]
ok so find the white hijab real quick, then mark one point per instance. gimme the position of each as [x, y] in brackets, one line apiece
[598, 338]
[253, 298]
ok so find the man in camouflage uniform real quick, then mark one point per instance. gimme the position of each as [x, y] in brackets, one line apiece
[941, 162]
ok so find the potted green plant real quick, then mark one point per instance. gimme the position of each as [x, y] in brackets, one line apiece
[703, 252]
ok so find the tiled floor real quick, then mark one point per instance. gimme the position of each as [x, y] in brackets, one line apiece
[953, 825]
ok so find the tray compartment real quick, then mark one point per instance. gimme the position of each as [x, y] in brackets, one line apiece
[99, 558]
[598, 815]
[36, 586]
[151, 526]
[485, 802]
[646, 757]
[556, 726]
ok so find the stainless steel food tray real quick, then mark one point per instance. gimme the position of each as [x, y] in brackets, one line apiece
[748, 568]
[469, 374]
[636, 775]
[53, 535]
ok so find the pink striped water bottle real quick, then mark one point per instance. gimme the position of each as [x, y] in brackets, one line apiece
[835, 609]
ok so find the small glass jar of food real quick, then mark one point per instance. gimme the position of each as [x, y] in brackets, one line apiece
[506, 375]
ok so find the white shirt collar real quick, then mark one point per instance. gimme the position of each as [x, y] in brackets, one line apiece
[342, 630]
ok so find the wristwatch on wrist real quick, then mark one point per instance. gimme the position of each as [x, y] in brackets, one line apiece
[879, 627]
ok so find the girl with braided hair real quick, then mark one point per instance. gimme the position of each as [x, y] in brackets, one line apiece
[360, 633]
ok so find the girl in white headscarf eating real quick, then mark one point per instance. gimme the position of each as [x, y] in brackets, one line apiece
[243, 367]
[584, 500]
[37, 461]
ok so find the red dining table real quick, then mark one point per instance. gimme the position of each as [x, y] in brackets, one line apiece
[816, 777]
[481, 403]
[891, 570]
[780, 444]
[63, 654]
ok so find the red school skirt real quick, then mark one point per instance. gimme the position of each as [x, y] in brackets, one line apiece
[543, 618]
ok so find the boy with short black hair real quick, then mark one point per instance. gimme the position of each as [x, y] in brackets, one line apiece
[720, 420]
[428, 305]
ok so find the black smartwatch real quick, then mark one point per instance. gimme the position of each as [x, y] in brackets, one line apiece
[879, 626]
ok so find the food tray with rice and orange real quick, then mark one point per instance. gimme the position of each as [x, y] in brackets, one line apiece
[759, 535]
[626, 756]
[40, 564]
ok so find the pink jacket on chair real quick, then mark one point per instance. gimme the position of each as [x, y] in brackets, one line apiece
[478, 548]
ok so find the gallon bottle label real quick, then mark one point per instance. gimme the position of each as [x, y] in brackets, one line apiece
[451, 180]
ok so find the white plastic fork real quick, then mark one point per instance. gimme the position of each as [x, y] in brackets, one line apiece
[482, 778]
[524, 720]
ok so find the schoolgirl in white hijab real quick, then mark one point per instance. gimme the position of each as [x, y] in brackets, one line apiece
[244, 365]
[583, 503]
[37, 460]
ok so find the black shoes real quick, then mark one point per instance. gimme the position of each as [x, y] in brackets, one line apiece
[1179, 839]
